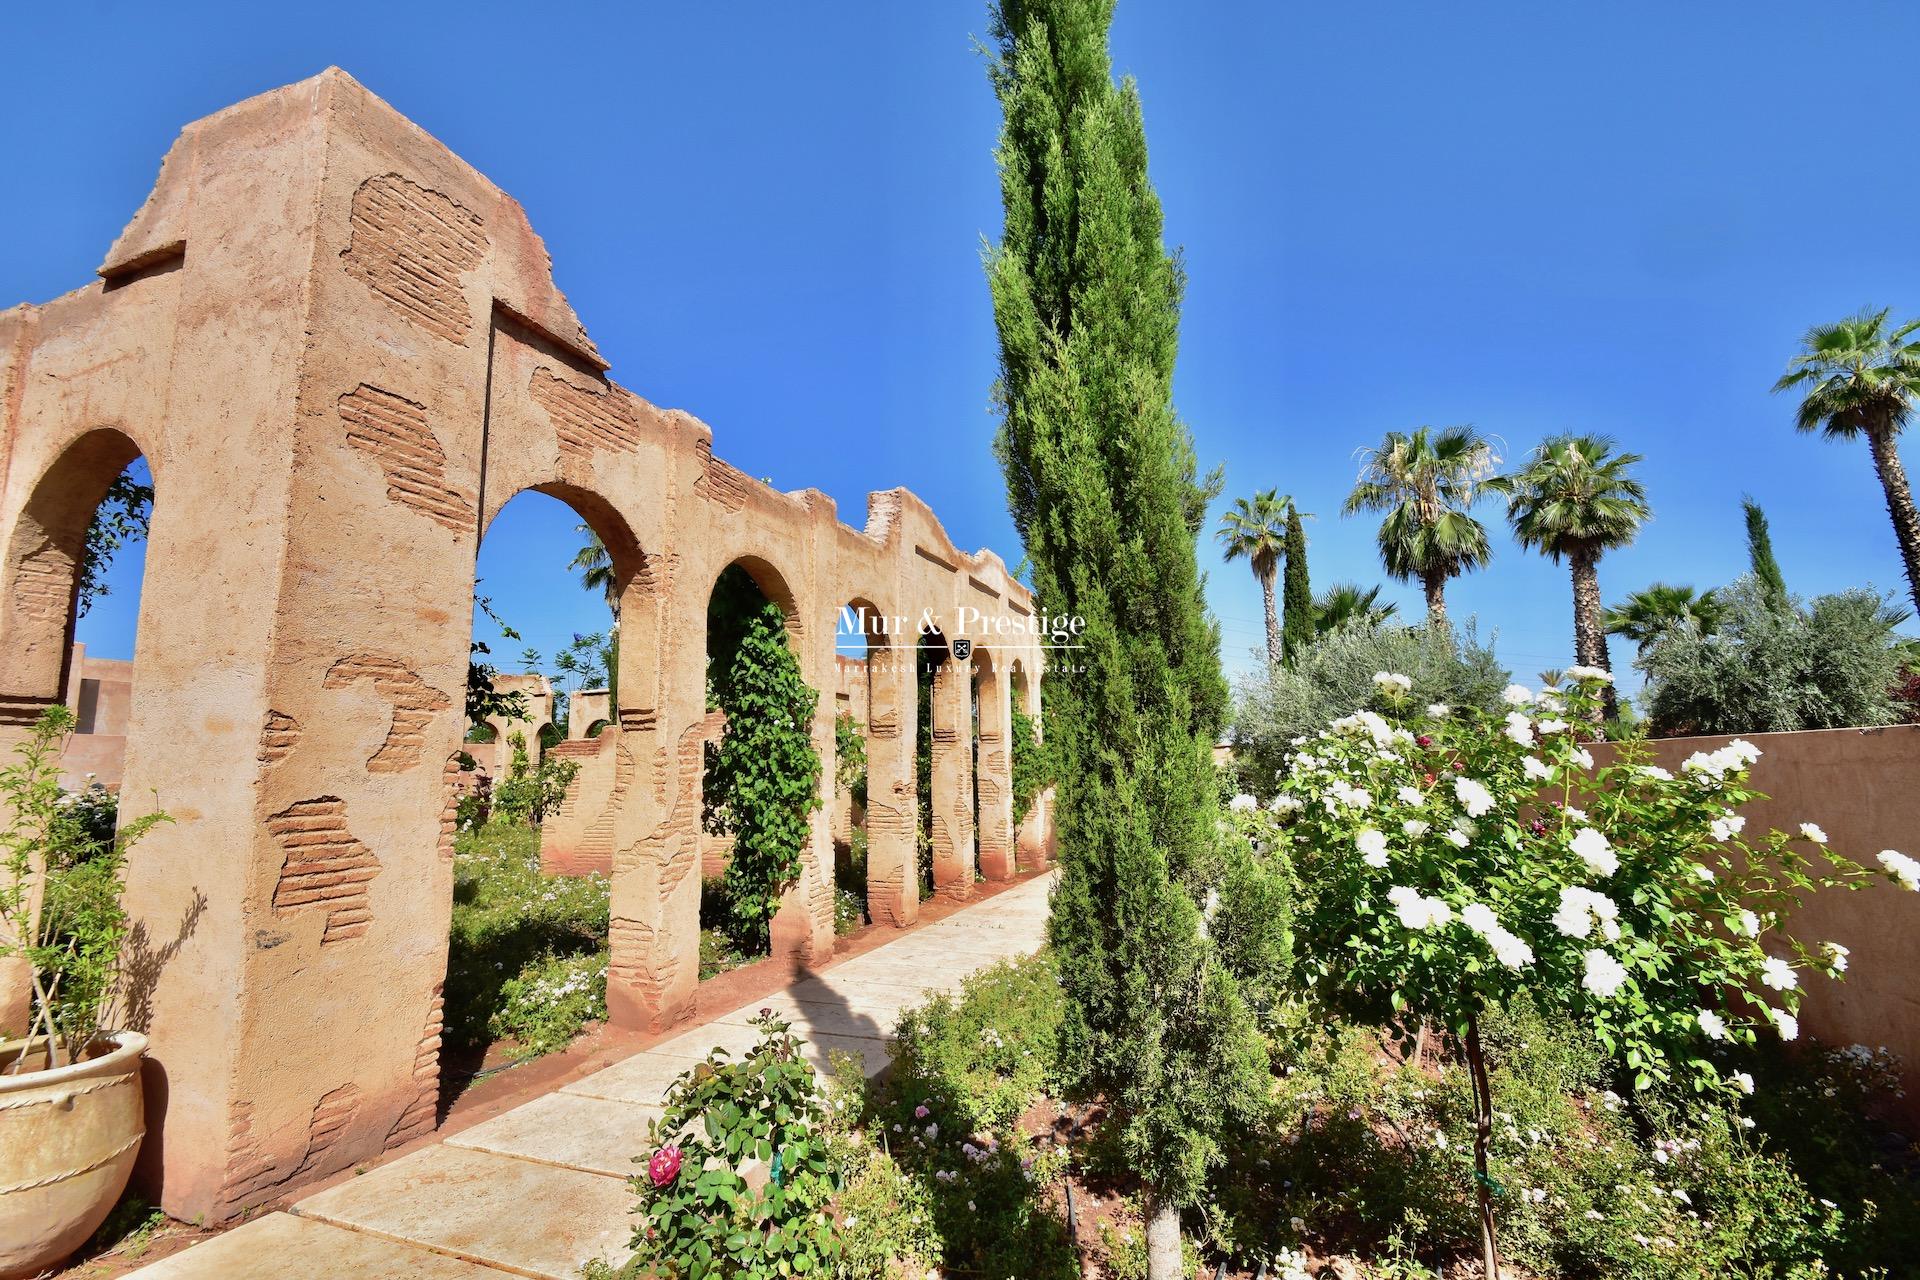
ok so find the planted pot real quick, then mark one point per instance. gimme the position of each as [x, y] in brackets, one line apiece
[68, 1138]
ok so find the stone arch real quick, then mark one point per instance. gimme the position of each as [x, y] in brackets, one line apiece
[993, 764]
[42, 570]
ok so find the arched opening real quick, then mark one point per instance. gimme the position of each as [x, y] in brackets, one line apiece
[859, 638]
[528, 948]
[760, 769]
[75, 573]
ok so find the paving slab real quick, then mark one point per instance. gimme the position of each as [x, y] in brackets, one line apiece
[283, 1247]
[644, 1078]
[812, 1020]
[537, 1219]
[577, 1132]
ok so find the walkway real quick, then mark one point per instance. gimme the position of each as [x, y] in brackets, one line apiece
[542, 1189]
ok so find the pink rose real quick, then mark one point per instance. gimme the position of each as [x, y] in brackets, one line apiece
[920, 1112]
[1424, 740]
[665, 1166]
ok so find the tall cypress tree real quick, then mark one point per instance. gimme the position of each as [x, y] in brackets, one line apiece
[1296, 602]
[1760, 555]
[1101, 481]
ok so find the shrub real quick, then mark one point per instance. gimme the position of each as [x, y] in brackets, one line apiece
[509, 920]
[1334, 674]
[545, 1005]
[700, 1214]
[531, 792]
[1032, 762]
[71, 937]
[1767, 669]
[983, 1056]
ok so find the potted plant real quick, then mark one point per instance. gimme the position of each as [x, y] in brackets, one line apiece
[71, 1116]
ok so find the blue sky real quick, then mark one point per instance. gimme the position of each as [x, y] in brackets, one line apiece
[1530, 217]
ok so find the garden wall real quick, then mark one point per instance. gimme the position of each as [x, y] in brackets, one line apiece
[1862, 786]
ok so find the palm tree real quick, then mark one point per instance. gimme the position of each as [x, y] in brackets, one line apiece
[1346, 602]
[596, 568]
[1427, 482]
[1576, 500]
[1859, 377]
[1256, 530]
[1649, 614]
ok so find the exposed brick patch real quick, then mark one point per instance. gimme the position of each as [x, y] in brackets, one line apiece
[277, 737]
[410, 246]
[884, 727]
[43, 584]
[454, 783]
[586, 421]
[415, 703]
[394, 430]
[632, 964]
[249, 1173]
[422, 1113]
[326, 867]
[331, 1116]
[721, 482]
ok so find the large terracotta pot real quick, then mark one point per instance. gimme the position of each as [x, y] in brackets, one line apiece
[68, 1138]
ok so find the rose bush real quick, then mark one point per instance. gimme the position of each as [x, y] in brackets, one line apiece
[1450, 860]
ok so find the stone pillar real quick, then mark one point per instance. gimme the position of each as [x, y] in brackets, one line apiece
[893, 870]
[995, 786]
[802, 931]
[953, 852]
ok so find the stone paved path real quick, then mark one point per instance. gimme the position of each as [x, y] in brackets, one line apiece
[541, 1189]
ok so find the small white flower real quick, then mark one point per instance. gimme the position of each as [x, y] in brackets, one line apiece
[1473, 797]
[1703, 873]
[1743, 1081]
[1813, 833]
[1786, 1024]
[1516, 695]
[1655, 772]
[1550, 727]
[1604, 975]
[1373, 846]
[1511, 950]
[1594, 849]
[1284, 803]
[1392, 683]
[1415, 827]
[1411, 795]
[1537, 769]
[1836, 956]
[1589, 675]
[1438, 711]
[1582, 757]
[1243, 803]
[1712, 1024]
[1749, 924]
[1778, 974]
[1901, 867]
[1418, 912]
[1457, 838]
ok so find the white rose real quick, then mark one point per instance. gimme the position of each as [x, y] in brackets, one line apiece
[1473, 797]
[1516, 695]
[1594, 849]
[1604, 975]
[1778, 974]
[1712, 1024]
[1373, 847]
[1813, 833]
[1536, 769]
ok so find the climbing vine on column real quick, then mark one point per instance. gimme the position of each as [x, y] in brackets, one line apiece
[764, 778]
[1032, 767]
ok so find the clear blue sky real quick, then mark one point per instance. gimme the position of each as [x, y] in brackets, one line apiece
[1531, 217]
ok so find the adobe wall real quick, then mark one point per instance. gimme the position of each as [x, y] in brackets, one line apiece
[100, 695]
[341, 352]
[1862, 787]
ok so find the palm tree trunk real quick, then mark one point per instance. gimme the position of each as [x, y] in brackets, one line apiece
[1589, 633]
[1906, 520]
[1275, 646]
[1435, 585]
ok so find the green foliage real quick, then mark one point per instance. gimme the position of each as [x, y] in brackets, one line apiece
[764, 779]
[1575, 498]
[531, 792]
[483, 701]
[972, 1191]
[1033, 765]
[1335, 674]
[1345, 604]
[719, 949]
[121, 518]
[928, 654]
[887, 1216]
[1103, 486]
[850, 757]
[1648, 614]
[1765, 569]
[513, 926]
[71, 937]
[700, 1216]
[1456, 864]
[1425, 484]
[1296, 612]
[545, 1005]
[1825, 665]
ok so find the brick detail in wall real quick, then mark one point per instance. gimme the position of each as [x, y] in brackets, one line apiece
[415, 703]
[326, 867]
[394, 431]
[585, 421]
[411, 245]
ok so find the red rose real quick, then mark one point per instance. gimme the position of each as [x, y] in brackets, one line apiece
[665, 1166]
[1424, 740]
